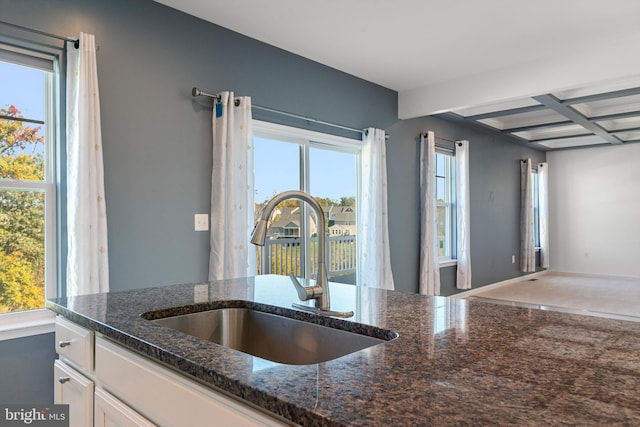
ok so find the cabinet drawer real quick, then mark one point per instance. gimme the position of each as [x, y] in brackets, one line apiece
[167, 398]
[74, 344]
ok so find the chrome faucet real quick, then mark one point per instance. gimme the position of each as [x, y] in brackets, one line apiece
[320, 291]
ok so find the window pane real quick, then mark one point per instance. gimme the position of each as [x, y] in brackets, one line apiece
[441, 221]
[441, 189]
[292, 243]
[21, 250]
[440, 164]
[23, 87]
[22, 127]
[277, 169]
[536, 209]
[333, 182]
[444, 199]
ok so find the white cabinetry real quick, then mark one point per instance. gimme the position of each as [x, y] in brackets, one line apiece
[75, 390]
[167, 398]
[111, 412]
[108, 385]
[73, 384]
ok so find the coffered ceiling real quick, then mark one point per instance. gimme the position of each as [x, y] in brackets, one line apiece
[585, 116]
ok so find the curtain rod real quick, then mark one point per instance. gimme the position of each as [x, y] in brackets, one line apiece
[76, 42]
[197, 92]
[424, 134]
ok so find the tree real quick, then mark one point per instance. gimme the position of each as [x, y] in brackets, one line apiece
[21, 216]
[347, 201]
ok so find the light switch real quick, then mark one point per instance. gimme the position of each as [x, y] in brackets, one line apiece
[201, 222]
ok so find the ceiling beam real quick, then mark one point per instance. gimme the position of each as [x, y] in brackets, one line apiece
[601, 96]
[556, 105]
[615, 116]
[555, 138]
[538, 126]
[500, 113]
[454, 117]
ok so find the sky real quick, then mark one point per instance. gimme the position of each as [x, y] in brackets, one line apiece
[24, 88]
[25, 92]
[277, 169]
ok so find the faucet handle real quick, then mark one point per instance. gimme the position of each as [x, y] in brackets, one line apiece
[305, 292]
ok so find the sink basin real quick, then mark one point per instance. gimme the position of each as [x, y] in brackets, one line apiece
[271, 336]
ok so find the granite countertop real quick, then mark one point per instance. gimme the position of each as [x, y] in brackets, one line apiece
[455, 362]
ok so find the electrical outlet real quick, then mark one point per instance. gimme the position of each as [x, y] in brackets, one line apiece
[513, 259]
[201, 222]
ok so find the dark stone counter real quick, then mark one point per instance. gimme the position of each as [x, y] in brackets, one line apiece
[455, 362]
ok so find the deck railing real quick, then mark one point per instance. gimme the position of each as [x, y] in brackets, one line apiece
[282, 255]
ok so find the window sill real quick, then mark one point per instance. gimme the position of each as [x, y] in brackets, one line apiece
[26, 323]
[448, 263]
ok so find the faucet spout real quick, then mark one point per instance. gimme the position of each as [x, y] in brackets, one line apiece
[319, 292]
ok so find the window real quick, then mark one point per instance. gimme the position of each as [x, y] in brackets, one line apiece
[445, 208]
[536, 208]
[324, 166]
[27, 180]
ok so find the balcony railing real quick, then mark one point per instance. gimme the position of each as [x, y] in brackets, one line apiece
[282, 256]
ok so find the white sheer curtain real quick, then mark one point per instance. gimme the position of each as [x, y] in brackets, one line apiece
[231, 189]
[527, 238]
[463, 279]
[87, 256]
[429, 264]
[543, 208]
[374, 262]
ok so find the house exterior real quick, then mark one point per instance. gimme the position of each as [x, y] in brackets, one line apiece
[341, 221]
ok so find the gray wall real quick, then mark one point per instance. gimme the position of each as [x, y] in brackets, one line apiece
[157, 138]
[494, 177]
[26, 373]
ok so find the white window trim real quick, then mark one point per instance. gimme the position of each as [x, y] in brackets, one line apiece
[264, 129]
[449, 260]
[23, 324]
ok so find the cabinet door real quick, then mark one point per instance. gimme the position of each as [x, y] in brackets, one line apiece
[75, 390]
[110, 412]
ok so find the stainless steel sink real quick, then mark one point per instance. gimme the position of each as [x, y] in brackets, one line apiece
[270, 336]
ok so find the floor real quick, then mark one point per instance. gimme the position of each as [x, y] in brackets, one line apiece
[605, 296]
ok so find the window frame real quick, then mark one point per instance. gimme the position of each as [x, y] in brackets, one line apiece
[536, 208]
[308, 139]
[449, 258]
[20, 324]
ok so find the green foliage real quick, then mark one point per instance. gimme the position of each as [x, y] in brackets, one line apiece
[347, 201]
[21, 217]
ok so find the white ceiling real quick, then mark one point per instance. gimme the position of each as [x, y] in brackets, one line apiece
[443, 55]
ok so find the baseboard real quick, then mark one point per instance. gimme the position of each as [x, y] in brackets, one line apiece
[475, 291]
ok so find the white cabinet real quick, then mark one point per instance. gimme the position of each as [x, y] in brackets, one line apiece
[166, 397]
[74, 389]
[107, 385]
[110, 412]
[75, 382]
